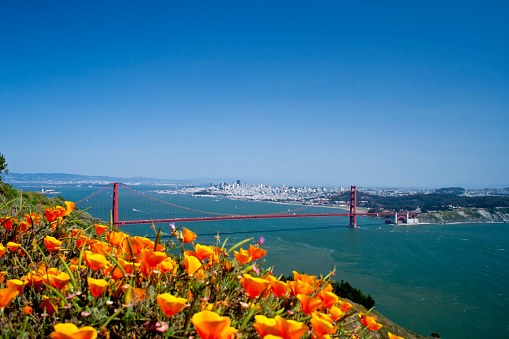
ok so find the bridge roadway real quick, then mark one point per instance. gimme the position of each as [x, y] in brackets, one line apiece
[247, 217]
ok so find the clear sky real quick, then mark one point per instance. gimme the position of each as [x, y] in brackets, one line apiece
[368, 93]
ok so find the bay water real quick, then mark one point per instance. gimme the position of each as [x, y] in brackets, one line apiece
[450, 279]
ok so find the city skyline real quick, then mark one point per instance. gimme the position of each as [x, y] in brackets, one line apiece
[329, 94]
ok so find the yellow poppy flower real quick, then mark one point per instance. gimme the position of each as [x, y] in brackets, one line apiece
[71, 331]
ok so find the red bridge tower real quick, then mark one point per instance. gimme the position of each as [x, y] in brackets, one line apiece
[353, 206]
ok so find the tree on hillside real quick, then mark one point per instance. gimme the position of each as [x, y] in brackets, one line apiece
[3, 166]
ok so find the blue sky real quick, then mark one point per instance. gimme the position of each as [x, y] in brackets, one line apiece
[368, 93]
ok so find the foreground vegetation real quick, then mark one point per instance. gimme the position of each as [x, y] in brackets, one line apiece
[62, 276]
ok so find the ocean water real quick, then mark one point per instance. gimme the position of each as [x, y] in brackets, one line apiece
[450, 279]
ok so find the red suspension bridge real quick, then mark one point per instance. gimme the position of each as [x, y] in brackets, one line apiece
[125, 213]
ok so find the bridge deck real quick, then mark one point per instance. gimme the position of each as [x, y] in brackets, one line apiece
[247, 217]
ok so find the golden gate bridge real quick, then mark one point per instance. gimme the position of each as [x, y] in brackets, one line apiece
[125, 213]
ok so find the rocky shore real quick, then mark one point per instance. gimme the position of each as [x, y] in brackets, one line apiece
[467, 215]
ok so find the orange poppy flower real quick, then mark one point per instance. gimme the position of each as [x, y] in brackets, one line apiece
[167, 265]
[203, 252]
[170, 304]
[17, 284]
[115, 238]
[211, 325]
[100, 229]
[13, 246]
[2, 250]
[33, 218]
[6, 222]
[151, 258]
[370, 322]
[52, 244]
[100, 247]
[189, 236]
[34, 281]
[97, 286]
[392, 336]
[308, 279]
[308, 303]
[265, 326]
[60, 280]
[82, 240]
[329, 299]
[53, 213]
[299, 287]
[71, 331]
[192, 264]
[116, 273]
[2, 276]
[345, 306]
[6, 295]
[69, 207]
[256, 252]
[24, 226]
[254, 286]
[96, 261]
[140, 292]
[137, 244]
[243, 256]
[335, 313]
[278, 287]
[280, 327]
[321, 327]
[27, 310]
[128, 266]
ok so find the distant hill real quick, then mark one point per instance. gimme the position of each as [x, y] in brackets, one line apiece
[451, 190]
[76, 179]
[426, 202]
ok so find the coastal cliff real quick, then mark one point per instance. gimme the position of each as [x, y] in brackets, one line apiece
[467, 215]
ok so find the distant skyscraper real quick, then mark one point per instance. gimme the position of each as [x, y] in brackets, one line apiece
[238, 182]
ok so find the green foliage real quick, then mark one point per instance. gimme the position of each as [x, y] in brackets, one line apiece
[3, 166]
[345, 290]
[427, 202]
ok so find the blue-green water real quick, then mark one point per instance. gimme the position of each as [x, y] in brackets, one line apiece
[450, 279]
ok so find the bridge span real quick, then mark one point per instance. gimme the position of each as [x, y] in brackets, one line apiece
[186, 214]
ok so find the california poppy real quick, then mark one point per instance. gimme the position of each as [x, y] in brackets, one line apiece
[52, 244]
[192, 264]
[71, 331]
[97, 286]
[6, 295]
[211, 325]
[100, 229]
[286, 329]
[189, 236]
[321, 327]
[254, 286]
[308, 303]
[96, 261]
[170, 304]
